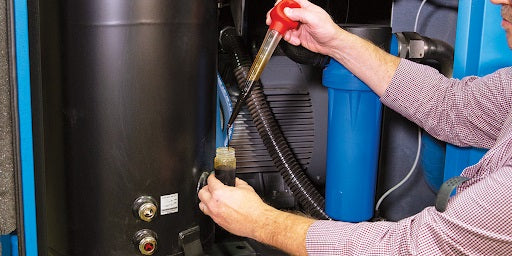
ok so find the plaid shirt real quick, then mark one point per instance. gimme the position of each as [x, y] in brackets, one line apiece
[478, 220]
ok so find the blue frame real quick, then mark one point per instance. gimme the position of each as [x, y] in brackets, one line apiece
[25, 127]
[9, 245]
[480, 49]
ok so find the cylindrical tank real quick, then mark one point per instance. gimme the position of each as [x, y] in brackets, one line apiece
[353, 136]
[139, 116]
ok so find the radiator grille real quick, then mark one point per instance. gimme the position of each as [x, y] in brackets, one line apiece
[293, 112]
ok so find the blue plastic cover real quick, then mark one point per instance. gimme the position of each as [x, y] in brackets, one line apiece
[336, 76]
[352, 146]
[480, 49]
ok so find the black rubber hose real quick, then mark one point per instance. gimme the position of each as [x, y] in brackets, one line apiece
[304, 56]
[273, 139]
[442, 52]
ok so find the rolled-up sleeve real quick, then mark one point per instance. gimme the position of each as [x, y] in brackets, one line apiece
[466, 112]
[472, 111]
[477, 222]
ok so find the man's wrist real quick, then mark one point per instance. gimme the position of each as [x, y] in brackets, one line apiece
[283, 230]
[264, 222]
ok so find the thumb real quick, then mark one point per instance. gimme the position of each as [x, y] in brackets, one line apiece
[239, 182]
[295, 14]
[213, 182]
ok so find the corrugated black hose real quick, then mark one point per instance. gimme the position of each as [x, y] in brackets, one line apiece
[277, 146]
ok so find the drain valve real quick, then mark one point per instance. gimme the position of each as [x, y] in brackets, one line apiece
[145, 241]
[145, 208]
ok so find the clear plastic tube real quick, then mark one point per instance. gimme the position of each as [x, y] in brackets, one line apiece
[266, 50]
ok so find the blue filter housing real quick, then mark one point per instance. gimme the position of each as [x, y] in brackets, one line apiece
[353, 134]
[480, 48]
[353, 145]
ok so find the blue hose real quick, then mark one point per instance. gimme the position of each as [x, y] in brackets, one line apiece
[226, 108]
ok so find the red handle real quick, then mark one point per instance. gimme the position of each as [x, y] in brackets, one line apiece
[280, 22]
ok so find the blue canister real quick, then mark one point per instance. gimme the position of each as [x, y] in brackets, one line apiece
[353, 140]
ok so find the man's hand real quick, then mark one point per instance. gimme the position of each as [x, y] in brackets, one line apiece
[316, 31]
[241, 211]
[237, 209]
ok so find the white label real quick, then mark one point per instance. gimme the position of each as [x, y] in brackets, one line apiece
[168, 204]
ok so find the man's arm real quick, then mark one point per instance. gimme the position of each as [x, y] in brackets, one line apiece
[476, 222]
[241, 211]
[285, 231]
[318, 33]
[466, 112]
[369, 63]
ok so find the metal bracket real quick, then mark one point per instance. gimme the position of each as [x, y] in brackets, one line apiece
[446, 189]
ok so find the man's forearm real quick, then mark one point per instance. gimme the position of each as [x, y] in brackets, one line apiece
[283, 230]
[368, 62]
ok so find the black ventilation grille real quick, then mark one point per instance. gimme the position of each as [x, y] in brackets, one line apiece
[293, 112]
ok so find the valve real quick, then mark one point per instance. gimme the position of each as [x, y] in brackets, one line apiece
[145, 241]
[145, 208]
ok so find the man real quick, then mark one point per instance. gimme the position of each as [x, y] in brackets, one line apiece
[468, 112]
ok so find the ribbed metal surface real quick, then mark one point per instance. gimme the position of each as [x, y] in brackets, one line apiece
[293, 111]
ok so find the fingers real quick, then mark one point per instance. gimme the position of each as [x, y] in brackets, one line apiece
[214, 183]
[204, 194]
[239, 182]
[206, 198]
[302, 3]
[296, 14]
[204, 208]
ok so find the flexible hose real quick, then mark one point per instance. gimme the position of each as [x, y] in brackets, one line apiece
[442, 52]
[270, 132]
[226, 108]
[302, 55]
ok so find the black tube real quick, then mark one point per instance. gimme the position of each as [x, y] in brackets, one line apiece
[422, 49]
[442, 52]
[272, 136]
[304, 56]
[377, 34]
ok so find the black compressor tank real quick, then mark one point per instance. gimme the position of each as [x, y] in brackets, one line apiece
[138, 106]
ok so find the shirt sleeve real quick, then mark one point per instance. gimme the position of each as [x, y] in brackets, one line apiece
[477, 222]
[466, 112]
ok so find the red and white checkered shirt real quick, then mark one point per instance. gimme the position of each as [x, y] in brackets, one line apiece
[478, 220]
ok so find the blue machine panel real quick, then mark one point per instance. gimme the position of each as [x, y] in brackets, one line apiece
[25, 127]
[480, 48]
[9, 245]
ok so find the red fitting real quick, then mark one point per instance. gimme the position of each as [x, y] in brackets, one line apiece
[280, 22]
[149, 247]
